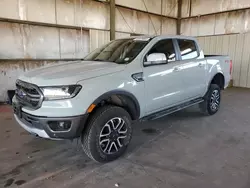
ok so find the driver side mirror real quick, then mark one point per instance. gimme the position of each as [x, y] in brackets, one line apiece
[155, 59]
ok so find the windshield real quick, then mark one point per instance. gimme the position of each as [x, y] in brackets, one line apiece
[120, 51]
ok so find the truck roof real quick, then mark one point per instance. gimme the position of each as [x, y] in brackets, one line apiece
[163, 37]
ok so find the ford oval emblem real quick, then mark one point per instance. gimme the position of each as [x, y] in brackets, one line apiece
[21, 93]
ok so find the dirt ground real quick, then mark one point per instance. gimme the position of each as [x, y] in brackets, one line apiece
[183, 150]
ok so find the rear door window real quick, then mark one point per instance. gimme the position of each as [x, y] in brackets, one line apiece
[188, 49]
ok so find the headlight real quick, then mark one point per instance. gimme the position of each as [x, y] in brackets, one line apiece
[60, 92]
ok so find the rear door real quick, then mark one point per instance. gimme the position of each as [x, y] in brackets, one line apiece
[192, 68]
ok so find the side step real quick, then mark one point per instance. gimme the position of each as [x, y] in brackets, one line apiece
[172, 109]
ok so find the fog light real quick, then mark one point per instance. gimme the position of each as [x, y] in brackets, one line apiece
[59, 125]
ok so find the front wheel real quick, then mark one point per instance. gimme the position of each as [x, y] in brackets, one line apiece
[212, 100]
[107, 134]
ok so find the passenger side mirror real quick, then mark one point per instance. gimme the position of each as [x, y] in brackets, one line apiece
[156, 59]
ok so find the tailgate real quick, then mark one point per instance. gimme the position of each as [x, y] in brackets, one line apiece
[227, 67]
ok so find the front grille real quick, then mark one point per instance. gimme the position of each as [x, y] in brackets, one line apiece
[28, 94]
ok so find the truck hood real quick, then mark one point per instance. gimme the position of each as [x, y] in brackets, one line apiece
[70, 72]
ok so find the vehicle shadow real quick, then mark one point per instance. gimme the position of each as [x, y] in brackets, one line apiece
[145, 132]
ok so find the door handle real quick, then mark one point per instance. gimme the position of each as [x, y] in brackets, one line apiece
[177, 69]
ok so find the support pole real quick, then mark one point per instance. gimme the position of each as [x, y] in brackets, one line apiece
[179, 17]
[112, 19]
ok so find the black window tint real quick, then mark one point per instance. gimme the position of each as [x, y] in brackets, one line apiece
[188, 49]
[166, 47]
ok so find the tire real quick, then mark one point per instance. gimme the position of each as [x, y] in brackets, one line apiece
[212, 100]
[105, 138]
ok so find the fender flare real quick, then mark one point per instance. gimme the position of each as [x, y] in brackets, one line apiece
[134, 110]
[218, 73]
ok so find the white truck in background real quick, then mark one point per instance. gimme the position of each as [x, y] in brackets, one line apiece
[137, 78]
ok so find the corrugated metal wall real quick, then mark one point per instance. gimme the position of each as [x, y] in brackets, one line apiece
[98, 38]
[237, 46]
[25, 41]
[132, 21]
[202, 7]
[223, 23]
[165, 7]
[215, 17]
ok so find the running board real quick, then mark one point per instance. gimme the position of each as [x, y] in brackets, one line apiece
[172, 110]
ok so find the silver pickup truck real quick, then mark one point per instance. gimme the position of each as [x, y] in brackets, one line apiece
[138, 78]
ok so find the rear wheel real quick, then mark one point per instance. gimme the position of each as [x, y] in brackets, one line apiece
[108, 134]
[212, 100]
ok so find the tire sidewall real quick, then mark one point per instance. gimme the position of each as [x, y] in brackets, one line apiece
[212, 88]
[97, 126]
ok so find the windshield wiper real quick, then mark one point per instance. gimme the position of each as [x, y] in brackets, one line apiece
[103, 60]
[98, 60]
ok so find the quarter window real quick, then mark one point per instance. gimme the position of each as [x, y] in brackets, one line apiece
[188, 49]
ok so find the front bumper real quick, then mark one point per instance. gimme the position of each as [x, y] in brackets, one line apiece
[39, 125]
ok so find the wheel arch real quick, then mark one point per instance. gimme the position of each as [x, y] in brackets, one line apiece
[120, 98]
[218, 79]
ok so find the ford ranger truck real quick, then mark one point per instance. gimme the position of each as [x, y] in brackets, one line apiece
[97, 98]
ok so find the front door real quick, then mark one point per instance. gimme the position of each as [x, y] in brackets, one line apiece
[163, 83]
